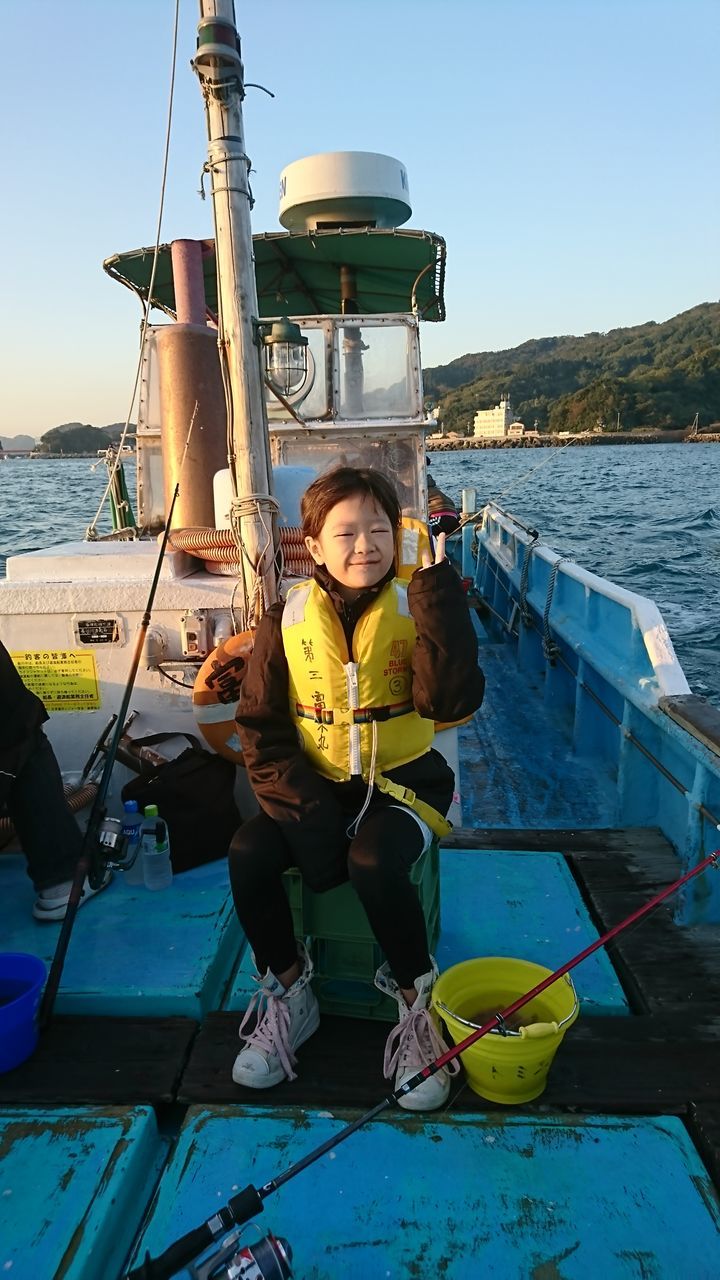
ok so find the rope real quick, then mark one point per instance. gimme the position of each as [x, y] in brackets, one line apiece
[255, 504]
[90, 534]
[551, 649]
[525, 613]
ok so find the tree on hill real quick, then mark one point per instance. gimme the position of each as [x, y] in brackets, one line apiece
[115, 429]
[654, 375]
[73, 437]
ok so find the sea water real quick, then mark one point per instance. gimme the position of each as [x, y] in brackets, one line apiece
[645, 516]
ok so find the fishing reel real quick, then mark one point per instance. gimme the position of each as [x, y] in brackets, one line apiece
[110, 848]
[268, 1259]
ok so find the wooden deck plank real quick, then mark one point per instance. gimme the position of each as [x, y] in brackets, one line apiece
[703, 1124]
[695, 714]
[661, 964]
[564, 840]
[108, 1061]
[611, 1065]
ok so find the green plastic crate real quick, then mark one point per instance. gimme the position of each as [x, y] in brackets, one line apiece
[345, 952]
[344, 973]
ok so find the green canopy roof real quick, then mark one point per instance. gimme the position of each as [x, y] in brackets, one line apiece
[298, 273]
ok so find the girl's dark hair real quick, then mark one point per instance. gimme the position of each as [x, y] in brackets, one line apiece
[334, 486]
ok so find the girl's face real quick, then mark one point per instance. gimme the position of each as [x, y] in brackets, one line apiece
[356, 544]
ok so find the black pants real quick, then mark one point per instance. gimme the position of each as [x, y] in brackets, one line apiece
[377, 862]
[49, 835]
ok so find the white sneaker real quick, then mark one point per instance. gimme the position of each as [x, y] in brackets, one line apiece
[414, 1043]
[288, 1019]
[51, 904]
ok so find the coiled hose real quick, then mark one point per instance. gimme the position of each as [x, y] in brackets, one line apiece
[218, 550]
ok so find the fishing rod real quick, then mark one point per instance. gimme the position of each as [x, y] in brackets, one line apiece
[103, 844]
[250, 1201]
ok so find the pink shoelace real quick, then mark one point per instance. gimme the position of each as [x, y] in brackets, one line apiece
[415, 1043]
[270, 1036]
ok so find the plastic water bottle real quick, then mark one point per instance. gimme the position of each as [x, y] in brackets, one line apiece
[156, 850]
[133, 830]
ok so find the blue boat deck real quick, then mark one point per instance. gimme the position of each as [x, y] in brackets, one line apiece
[625, 1189]
[506, 903]
[74, 1185]
[134, 952]
[149, 1009]
[456, 1196]
[180, 952]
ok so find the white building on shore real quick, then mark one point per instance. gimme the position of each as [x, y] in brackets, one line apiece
[494, 424]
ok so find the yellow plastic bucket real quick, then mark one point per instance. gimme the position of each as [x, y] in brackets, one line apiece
[511, 1067]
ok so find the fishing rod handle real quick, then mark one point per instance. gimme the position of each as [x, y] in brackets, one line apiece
[177, 1256]
[181, 1252]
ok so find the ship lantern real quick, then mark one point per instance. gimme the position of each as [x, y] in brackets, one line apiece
[285, 357]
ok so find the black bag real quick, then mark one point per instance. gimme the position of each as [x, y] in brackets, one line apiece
[194, 796]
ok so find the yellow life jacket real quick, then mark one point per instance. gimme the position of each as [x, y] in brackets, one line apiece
[337, 698]
[412, 541]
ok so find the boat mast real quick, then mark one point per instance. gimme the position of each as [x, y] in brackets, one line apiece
[219, 69]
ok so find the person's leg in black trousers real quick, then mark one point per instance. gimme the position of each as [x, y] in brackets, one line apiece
[258, 856]
[50, 837]
[283, 1013]
[379, 860]
[390, 839]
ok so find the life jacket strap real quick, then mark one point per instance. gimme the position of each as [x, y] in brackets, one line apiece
[360, 715]
[405, 795]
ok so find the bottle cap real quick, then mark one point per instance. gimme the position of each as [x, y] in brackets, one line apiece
[151, 811]
[130, 806]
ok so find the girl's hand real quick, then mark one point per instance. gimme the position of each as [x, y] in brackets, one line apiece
[427, 560]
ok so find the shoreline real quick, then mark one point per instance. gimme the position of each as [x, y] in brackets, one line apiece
[559, 442]
[13, 455]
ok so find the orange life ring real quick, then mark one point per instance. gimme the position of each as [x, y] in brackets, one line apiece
[216, 692]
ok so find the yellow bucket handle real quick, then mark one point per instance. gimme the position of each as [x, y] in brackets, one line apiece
[534, 1031]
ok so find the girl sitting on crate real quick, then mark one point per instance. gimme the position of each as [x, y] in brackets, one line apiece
[336, 719]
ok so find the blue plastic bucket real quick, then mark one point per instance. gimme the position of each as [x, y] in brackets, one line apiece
[22, 978]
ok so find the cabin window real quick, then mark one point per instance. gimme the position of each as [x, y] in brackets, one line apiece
[374, 365]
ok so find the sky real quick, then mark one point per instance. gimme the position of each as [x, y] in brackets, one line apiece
[567, 151]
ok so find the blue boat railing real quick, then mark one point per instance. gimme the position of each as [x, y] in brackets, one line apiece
[605, 665]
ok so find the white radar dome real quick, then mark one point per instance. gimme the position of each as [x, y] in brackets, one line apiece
[344, 189]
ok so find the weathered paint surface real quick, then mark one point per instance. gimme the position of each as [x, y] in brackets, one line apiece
[456, 1196]
[525, 905]
[74, 1185]
[496, 903]
[133, 952]
[517, 766]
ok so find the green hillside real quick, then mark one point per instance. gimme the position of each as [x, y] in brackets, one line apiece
[653, 375]
[80, 438]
